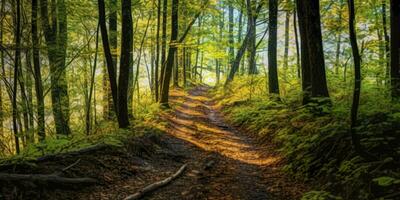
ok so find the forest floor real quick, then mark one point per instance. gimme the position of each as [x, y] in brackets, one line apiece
[223, 162]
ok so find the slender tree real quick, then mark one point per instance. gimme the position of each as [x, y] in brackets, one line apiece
[357, 83]
[37, 73]
[120, 91]
[2, 11]
[157, 64]
[16, 73]
[231, 38]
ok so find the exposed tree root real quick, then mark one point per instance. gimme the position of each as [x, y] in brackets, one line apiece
[54, 178]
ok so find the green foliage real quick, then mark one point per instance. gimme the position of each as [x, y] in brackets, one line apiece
[316, 141]
[319, 195]
[386, 181]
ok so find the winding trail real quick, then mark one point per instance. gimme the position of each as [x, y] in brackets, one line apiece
[223, 162]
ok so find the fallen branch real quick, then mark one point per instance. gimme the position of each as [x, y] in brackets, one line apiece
[156, 185]
[67, 168]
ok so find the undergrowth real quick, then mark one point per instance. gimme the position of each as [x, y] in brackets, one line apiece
[105, 132]
[316, 142]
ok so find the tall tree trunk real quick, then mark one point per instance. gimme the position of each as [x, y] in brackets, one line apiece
[339, 38]
[272, 47]
[242, 49]
[56, 40]
[231, 39]
[157, 65]
[176, 68]
[125, 63]
[286, 51]
[163, 44]
[296, 38]
[309, 18]
[171, 54]
[184, 66]
[220, 39]
[305, 62]
[92, 81]
[357, 83]
[252, 38]
[16, 74]
[113, 30]
[387, 39]
[240, 28]
[109, 59]
[395, 47]
[2, 11]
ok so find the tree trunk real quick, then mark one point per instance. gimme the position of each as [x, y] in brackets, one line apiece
[395, 47]
[309, 18]
[231, 39]
[240, 28]
[157, 64]
[305, 62]
[56, 40]
[357, 83]
[339, 38]
[286, 51]
[92, 81]
[164, 44]
[125, 63]
[2, 64]
[296, 38]
[171, 54]
[242, 49]
[16, 73]
[387, 39]
[272, 47]
[252, 38]
[113, 30]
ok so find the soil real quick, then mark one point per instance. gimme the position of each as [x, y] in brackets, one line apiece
[223, 162]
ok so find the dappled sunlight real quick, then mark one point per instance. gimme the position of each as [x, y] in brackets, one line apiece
[194, 121]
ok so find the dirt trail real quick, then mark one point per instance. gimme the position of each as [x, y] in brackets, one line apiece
[223, 163]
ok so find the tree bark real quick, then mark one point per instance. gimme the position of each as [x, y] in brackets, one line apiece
[357, 83]
[241, 51]
[171, 54]
[163, 44]
[252, 38]
[2, 63]
[56, 40]
[272, 47]
[395, 48]
[286, 51]
[313, 63]
[16, 73]
[296, 38]
[113, 30]
[125, 63]
[157, 64]
[231, 39]
[387, 39]
[339, 38]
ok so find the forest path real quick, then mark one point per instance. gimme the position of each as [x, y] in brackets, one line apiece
[223, 162]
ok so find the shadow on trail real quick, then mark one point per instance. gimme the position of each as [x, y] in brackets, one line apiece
[241, 169]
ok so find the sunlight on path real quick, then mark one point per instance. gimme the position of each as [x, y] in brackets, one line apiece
[196, 120]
